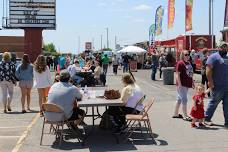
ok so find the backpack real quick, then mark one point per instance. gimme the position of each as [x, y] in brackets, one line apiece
[106, 122]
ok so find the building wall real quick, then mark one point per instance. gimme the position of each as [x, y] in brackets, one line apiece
[14, 44]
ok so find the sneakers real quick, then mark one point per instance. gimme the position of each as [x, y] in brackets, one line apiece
[193, 125]
[9, 108]
[41, 114]
[5, 111]
[201, 125]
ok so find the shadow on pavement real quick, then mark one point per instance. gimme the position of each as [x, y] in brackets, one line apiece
[103, 140]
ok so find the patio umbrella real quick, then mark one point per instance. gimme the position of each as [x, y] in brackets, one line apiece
[132, 49]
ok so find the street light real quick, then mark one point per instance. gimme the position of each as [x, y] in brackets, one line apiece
[107, 38]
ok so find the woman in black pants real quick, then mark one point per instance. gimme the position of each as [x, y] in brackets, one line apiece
[130, 95]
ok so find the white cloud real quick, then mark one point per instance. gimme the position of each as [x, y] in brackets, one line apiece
[142, 7]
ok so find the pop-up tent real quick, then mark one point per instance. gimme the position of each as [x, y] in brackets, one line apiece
[132, 49]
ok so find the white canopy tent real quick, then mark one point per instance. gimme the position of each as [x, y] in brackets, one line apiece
[132, 49]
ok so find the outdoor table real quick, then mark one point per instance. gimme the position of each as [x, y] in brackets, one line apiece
[94, 98]
[84, 74]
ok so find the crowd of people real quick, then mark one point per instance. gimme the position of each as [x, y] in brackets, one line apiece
[72, 73]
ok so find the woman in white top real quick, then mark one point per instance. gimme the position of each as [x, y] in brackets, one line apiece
[130, 95]
[42, 79]
[97, 71]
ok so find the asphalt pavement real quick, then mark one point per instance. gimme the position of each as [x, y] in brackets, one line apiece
[21, 132]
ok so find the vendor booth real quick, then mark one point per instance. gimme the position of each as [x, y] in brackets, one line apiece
[133, 50]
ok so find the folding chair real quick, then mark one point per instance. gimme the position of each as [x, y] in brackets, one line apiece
[58, 125]
[137, 119]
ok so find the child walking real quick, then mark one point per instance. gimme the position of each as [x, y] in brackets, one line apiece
[197, 111]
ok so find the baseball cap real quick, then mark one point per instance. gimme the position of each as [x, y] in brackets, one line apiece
[64, 74]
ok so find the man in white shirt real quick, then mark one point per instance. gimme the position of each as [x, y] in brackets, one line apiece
[73, 69]
[66, 95]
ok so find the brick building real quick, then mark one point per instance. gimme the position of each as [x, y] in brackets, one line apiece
[14, 44]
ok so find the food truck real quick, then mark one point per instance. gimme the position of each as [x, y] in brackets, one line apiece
[188, 42]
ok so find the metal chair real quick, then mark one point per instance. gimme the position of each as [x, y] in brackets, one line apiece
[135, 120]
[57, 126]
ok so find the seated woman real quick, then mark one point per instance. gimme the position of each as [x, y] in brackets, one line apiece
[97, 71]
[87, 67]
[130, 95]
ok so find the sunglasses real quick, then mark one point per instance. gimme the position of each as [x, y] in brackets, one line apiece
[186, 54]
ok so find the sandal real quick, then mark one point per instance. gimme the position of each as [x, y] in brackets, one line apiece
[187, 119]
[178, 116]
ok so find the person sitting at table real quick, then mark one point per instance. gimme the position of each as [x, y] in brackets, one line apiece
[66, 95]
[87, 67]
[97, 71]
[73, 70]
[130, 95]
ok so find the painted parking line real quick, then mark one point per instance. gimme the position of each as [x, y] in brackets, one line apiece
[7, 137]
[25, 134]
[14, 127]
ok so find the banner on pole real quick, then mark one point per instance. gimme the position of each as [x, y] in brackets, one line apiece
[171, 13]
[158, 20]
[226, 15]
[188, 15]
[152, 29]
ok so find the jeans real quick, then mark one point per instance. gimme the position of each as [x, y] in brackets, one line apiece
[105, 68]
[125, 67]
[154, 71]
[217, 95]
[115, 67]
[7, 92]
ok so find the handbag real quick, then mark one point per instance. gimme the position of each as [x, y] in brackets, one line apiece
[112, 94]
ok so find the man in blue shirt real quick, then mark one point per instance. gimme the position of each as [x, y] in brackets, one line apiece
[217, 74]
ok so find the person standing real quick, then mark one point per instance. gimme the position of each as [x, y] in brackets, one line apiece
[62, 62]
[55, 60]
[184, 80]
[42, 79]
[217, 75]
[7, 80]
[162, 63]
[105, 62]
[154, 61]
[126, 59]
[24, 73]
[203, 69]
[115, 64]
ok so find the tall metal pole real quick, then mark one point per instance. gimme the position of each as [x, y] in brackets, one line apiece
[210, 17]
[79, 44]
[101, 42]
[107, 38]
[115, 41]
[212, 22]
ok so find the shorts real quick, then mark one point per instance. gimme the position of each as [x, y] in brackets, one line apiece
[26, 83]
[77, 114]
[182, 95]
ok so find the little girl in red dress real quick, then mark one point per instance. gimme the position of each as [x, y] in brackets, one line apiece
[197, 111]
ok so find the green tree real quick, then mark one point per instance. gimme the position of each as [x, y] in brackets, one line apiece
[50, 47]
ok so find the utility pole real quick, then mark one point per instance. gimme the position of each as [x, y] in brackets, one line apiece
[101, 42]
[115, 41]
[210, 2]
[107, 38]
[79, 44]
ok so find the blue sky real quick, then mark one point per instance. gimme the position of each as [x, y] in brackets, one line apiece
[129, 20]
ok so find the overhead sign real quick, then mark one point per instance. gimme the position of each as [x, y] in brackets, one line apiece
[32, 13]
[88, 45]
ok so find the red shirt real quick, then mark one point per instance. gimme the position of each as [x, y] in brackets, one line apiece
[186, 73]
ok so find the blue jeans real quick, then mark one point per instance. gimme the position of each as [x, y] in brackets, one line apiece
[217, 94]
[125, 67]
[154, 71]
[105, 68]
